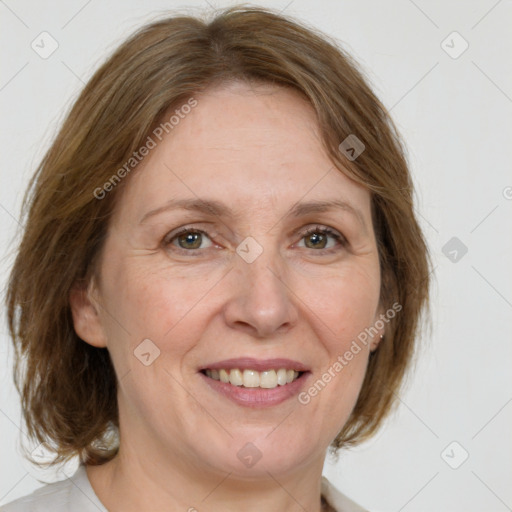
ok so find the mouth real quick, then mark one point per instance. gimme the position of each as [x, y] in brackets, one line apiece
[251, 378]
[256, 383]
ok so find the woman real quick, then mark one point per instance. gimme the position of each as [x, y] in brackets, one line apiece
[221, 274]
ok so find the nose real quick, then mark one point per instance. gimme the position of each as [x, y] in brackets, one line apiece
[261, 303]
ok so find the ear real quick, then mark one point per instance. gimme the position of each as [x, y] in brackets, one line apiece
[85, 311]
[374, 345]
[379, 324]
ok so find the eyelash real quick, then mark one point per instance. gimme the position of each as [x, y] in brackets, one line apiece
[342, 241]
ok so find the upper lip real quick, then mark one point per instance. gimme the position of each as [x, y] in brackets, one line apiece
[249, 363]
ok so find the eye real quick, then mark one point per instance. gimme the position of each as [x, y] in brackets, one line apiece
[320, 237]
[189, 239]
[316, 238]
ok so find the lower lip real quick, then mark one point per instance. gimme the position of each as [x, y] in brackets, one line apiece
[257, 397]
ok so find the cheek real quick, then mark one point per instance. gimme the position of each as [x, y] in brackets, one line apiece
[148, 305]
[340, 311]
[145, 297]
[345, 303]
[158, 304]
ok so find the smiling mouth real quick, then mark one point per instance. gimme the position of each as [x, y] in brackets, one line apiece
[248, 378]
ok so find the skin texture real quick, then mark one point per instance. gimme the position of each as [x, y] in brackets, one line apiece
[258, 151]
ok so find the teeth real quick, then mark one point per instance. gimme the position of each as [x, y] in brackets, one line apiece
[251, 379]
[281, 377]
[268, 379]
[235, 377]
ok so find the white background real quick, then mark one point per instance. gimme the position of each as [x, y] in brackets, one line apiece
[456, 117]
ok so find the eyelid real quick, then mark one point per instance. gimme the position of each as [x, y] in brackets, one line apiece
[319, 227]
[327, 230]
[168, 239]
[188, 229]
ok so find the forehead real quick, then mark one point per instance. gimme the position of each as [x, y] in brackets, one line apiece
[249, 146]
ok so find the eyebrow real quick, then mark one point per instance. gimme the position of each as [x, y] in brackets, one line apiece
[219, 209]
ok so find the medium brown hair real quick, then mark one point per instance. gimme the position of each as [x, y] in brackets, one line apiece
[68, 387]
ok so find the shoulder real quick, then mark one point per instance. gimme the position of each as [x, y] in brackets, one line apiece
[338, 501]
[73, 493]
[50, 497]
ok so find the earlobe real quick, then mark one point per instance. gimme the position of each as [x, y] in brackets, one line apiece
[380, 326]
[85, 313]
[376, 342]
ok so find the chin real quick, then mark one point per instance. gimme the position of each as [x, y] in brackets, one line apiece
[253, 456]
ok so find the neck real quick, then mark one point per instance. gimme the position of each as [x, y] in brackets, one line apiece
[132, 483]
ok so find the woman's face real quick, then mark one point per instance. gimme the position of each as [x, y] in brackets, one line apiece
[236, 245]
